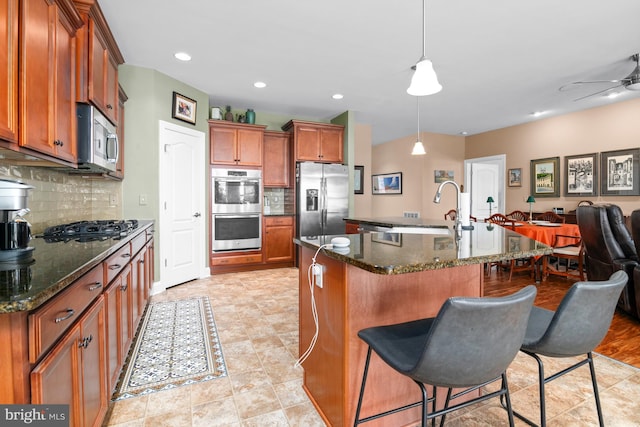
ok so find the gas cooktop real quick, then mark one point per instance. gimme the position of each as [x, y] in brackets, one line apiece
[88, 231]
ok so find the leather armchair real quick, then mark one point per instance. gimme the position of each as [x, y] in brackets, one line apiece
[604, 252]
[635, 233]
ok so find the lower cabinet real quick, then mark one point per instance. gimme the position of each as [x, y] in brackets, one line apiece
[74, 371]
[278, 239]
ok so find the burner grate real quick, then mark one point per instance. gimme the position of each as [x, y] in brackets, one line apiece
[86, 231]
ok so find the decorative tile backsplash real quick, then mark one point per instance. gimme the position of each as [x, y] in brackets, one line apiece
[60, 197]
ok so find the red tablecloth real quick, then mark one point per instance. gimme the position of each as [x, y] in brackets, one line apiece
[547, 234]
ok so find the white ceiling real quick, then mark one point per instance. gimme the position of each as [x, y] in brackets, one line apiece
[497, 60]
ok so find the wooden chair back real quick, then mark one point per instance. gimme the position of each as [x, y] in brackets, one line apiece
[551, 217]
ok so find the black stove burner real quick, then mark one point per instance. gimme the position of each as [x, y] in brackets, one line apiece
[89, 231]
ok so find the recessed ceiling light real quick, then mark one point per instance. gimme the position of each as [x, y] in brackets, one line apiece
[613, 95]
[338, 96]
[537, 113]
[260, 84]
[183, 56]
[464, 132]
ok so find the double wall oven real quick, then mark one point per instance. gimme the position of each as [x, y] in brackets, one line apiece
[236, 209]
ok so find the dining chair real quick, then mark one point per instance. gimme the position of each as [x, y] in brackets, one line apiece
[569, 248]
[518, 216]
[585, 203]
[469, 344]
[515, 265]
[450, 215]
[551, 217]
[578, 325]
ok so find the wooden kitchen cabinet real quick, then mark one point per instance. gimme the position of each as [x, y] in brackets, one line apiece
[235, 144]
[9, 71]
[98, 57]
[277, 159]
[122, 98]
[278, 239]
[47, 78]
[113, 333]
[74, 372]
[316, 142]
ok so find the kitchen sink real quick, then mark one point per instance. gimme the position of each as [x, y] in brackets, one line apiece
[441, 231]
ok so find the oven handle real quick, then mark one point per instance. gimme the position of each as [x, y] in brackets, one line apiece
[250, 180]
[249, 215]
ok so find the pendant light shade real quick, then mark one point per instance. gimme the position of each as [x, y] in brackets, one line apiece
[418, 149]
[424, 81]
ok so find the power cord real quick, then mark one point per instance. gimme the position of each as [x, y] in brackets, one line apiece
[314, 309]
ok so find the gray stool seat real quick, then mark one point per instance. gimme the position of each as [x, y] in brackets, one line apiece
[469, 344]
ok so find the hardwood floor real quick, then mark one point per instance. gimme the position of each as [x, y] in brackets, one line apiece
[621, 343]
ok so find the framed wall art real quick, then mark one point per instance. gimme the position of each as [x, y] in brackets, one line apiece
[183, 108]
[545, 177]
[515, 177]
[620, 172]
[580, 175]
[393, 239]
[358, 180]
[442, 176]
[389, 183]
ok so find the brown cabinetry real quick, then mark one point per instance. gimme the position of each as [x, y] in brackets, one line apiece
[317, 142]
[235, 144]
[47, 78]
[9, 71]
[98, 60]
[277, 159]
[74, 372]
[119, 172]
[278, 239]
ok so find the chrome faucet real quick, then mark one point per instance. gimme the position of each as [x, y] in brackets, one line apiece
[457, 225]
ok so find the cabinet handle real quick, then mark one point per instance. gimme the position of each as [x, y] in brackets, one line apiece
[70, 312]
[95, 286]
[115, 267]
[126, 255]
[84, 342]
[123, 288]
[109, 107]
[141, 261]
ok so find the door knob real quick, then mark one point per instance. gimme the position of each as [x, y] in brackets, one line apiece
[197, 214]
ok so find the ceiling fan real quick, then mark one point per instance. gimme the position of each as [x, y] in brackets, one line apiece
[631, 82]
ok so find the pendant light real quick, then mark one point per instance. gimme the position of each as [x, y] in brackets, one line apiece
[424, 80]
[418, 148]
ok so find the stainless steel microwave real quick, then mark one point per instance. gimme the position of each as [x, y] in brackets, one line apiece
[97, 140]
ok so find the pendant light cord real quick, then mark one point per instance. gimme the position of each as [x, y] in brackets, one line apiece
[418, 103]
[424, 30]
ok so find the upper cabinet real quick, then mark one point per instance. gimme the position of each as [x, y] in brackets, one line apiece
[122, 98]
[47, 77]
[98, 60]
[317, 142]
[277, 159]
[235, 144]
[9, 71]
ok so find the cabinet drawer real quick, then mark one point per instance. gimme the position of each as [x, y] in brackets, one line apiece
[277, 220]
[239, 259]
[138, 242]
[116, 262]
[49, 322]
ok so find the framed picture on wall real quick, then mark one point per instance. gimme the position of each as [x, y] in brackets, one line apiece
[545, 177]
[620, 172]
[358, 180]
[388, 183]
[515, 177]
[580, 175]
[183, 108]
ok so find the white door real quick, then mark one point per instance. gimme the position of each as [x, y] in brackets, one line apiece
[484, 178]
[182, 209]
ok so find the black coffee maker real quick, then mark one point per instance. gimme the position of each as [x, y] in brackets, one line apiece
[15, 233]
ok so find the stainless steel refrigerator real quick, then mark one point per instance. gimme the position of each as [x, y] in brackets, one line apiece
[322, 197]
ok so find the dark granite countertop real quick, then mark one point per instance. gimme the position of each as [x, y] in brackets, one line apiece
[398, 221]
[399, 253]
[56, 266]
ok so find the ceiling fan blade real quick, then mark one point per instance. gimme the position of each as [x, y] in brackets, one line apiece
[597, 93]
[573, 85]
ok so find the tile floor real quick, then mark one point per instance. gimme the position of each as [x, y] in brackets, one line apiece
[256, 316]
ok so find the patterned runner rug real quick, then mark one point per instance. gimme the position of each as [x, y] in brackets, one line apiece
[177, 345]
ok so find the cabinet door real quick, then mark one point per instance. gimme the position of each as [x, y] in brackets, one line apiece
[223, 146]
[278, 236]
[137, 283]
[9, 71]
[94, 368]
[276, 159]
[111, 90]
[331, 145]
[112, 326]
[307, 143]
[56, 379]
[124, 303]
[249, 147]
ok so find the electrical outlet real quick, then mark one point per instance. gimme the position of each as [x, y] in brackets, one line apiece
[318, 270]
[113, 200]
[142, 200]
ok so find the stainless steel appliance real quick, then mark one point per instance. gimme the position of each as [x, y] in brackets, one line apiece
[236, 206]
[97, 141]
[15, 231]
[323, 198]
[236, 232]
[236, 190]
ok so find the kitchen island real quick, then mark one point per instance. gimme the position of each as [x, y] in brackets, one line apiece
[384, 278]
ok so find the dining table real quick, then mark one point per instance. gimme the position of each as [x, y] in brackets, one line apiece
[551, 234]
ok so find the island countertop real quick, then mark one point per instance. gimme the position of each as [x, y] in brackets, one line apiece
[409, 252]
